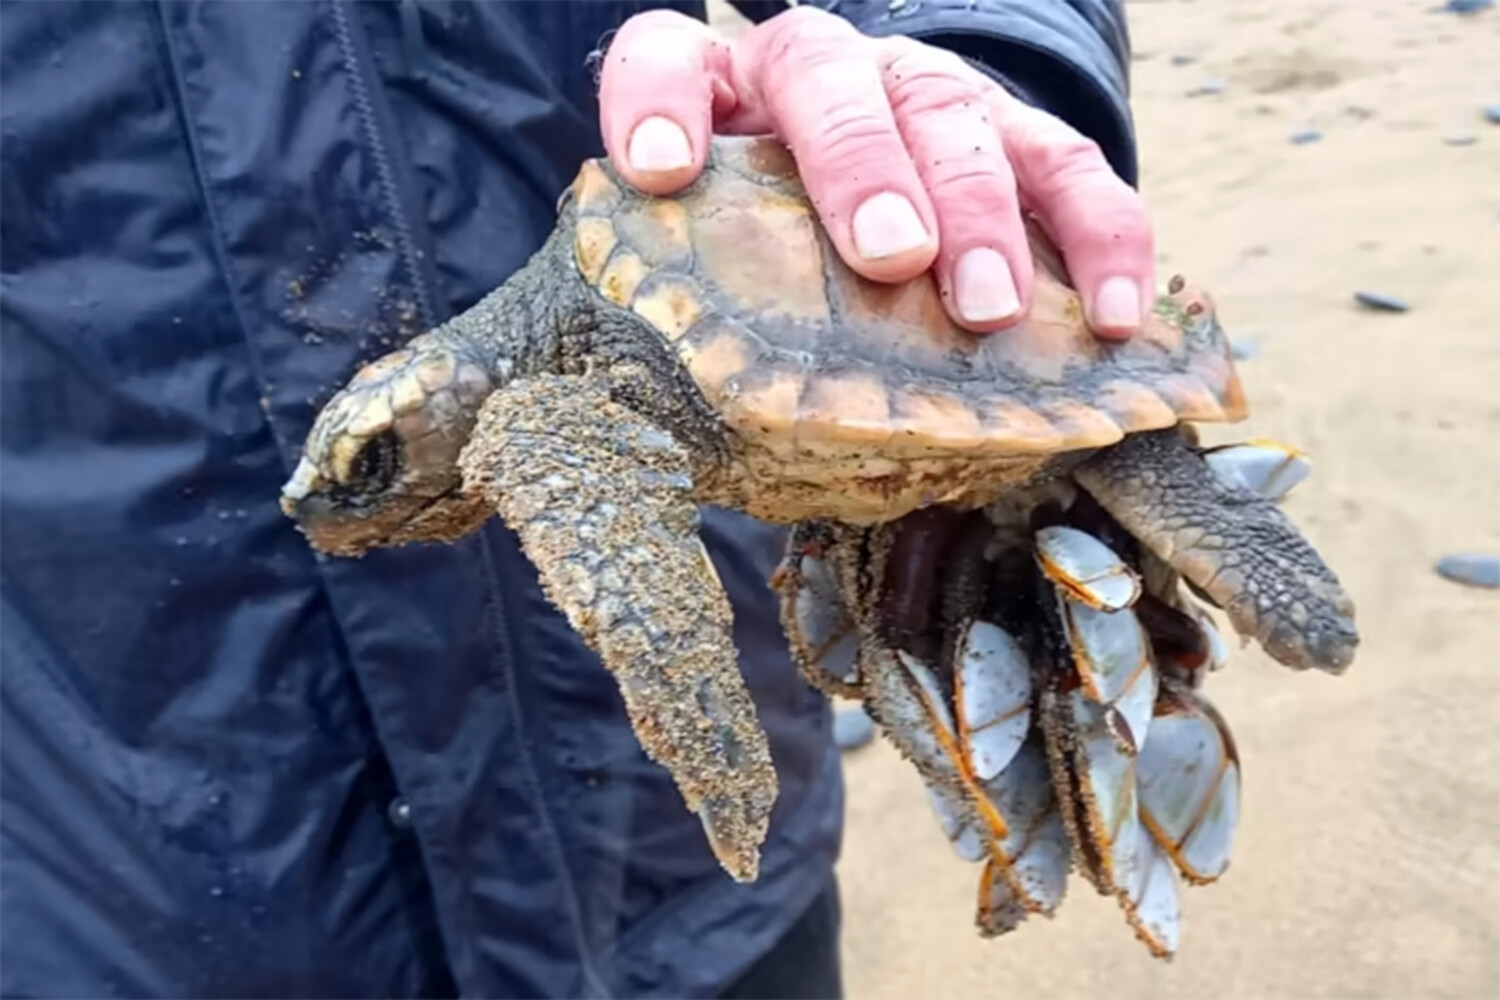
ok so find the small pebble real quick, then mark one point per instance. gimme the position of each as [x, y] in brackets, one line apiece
[1492, 113]
[1212, 85]
[1461, 139]
[1183, 59]
[1471, 569]
[1305, 136]
[1385, 303]
[1244, 348]
[852, 728]
[1467, 6]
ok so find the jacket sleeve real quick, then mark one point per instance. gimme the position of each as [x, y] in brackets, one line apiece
[1068, 57]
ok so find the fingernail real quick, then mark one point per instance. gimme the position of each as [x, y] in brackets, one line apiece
[1118, 303]
[659, 144]
[885, 225]
[984, 287]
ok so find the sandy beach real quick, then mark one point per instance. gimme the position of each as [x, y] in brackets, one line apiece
[1367, 862]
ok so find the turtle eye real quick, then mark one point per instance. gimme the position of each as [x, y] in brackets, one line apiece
[377, 464]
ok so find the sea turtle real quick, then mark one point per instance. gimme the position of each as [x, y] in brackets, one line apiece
[656, 354]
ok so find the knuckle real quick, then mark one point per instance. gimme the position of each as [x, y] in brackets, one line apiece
[928, 81]
[1066, 164]
[976, 181]
[910, 57]
[805, 36]
[848, 138]
[1066, 156]
[975, 207]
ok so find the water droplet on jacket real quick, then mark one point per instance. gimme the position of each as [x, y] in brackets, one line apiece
[400, 812]
[216, 891]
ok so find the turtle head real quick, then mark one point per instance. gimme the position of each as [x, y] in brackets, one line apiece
[380, 465]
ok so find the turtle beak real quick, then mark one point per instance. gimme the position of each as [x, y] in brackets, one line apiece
[303, 484]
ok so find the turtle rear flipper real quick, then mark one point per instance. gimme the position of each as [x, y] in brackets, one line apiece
[602, 502]
[1233, 544]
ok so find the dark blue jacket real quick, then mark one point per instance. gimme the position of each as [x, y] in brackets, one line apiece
[230, 768]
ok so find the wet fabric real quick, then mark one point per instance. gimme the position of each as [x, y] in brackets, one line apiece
[232, 768]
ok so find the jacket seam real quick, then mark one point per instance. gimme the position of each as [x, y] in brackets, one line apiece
[380, 158]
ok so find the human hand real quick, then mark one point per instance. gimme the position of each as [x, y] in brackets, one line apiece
[912, 157]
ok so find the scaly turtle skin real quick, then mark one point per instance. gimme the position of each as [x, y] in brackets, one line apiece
[661, 353]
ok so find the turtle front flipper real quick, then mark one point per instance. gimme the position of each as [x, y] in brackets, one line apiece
[1232, 543]
[603, 503]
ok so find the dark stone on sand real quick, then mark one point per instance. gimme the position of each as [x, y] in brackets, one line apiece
[1381, 301]
[1472, 569]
